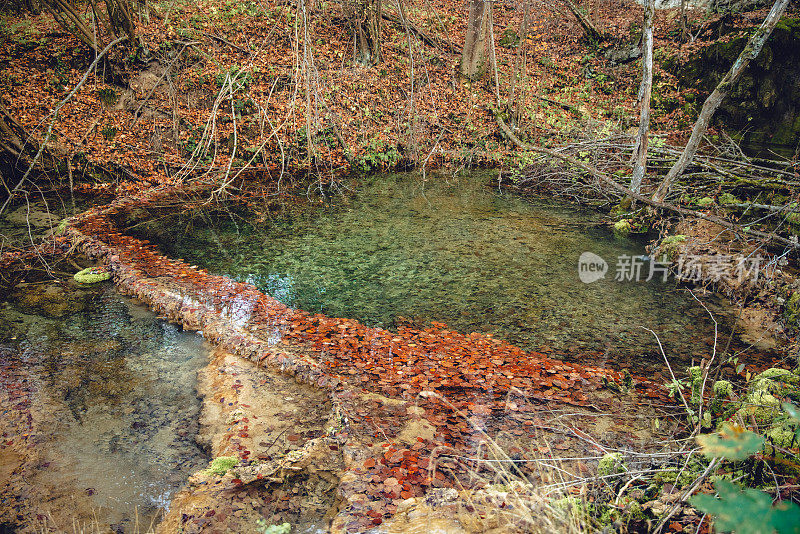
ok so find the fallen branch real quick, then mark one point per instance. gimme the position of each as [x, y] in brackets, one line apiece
[432, 40]
[607, 179]
[54, 115]
[225, 41]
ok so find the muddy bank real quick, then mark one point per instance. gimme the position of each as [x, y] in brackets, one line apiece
[252, 417]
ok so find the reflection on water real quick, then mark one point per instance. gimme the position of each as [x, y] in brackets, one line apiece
[460, 253]
[114, 395]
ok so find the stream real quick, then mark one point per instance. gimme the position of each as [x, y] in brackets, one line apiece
[400, 250]
[100, 409]
[99, 396]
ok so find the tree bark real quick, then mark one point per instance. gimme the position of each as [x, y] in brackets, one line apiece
[591, 32]
[365, 20]
[750, 52]
[473, 57]
[67, 17]
[523, 34]
[645, 91]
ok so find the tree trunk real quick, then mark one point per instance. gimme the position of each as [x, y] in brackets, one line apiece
[68, 18]
[119, 13]
[473, 57]
[523, 34]
[17, 149]
[365, 20]
[592, 33]
[645, 90]
[750, 52]
[684, 28]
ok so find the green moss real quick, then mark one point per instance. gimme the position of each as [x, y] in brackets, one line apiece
[727, 198]
[92, 275]
[575, 506]
[673, 239]
[622, 228]
[723, 388]
[792, 309]
[696, 378]
[611, 464]
[635, 512]
[763, 406]
[509, 38]
[781, 437]
[264, 528]
[221, 465]
[609, 516]
[62, 225]
[776, 381]
[704, 202]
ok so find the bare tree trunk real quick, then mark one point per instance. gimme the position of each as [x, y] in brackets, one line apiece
[473, 57]
[645, 90]
[119, 13]
[365, 20]
[592, 33]
[119, 20]
[683, 20]
[523, 33]
[67, 17]
[750, 52]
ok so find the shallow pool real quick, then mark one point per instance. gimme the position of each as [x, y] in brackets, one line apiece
[400, 249]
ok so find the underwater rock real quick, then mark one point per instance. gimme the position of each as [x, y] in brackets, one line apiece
[50, 300]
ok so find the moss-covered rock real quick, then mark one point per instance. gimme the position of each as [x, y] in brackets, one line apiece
[622, 228]
[776, 381]
[763, 107]
[92, 275]
[791, 310]
[762, 406]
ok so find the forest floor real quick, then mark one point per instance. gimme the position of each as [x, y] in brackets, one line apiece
[165, 101]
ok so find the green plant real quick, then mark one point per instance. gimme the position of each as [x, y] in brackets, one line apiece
[239, 79]
[107, 96]
[109, 132]
[221, 465]
[264, 528]
[377, 156]
[745, 510]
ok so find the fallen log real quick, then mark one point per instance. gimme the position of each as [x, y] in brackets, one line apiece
[608, 180]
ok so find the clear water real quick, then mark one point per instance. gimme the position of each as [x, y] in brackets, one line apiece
[114, 402]
[454, 251]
